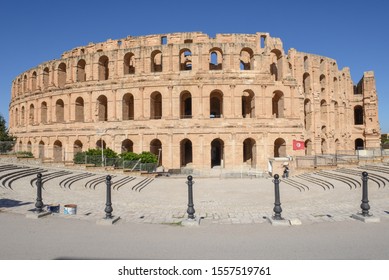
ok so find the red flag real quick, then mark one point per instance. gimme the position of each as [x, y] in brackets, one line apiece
[298, 145]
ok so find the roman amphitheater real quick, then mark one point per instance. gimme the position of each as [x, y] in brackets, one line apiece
[236, 101]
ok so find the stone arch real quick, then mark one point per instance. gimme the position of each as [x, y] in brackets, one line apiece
[156, 149]
[102, 108]
[278, 104]
[79, 110]
[156, 61]
[249, 152]
[103, 68]
[279, 147]
[186, 152]
[128, 107]
[100, 144]
[185, 59]
[275, 64]
[33, 81]
[337, 145]
[217, 152]
[43, 112]
[359, 144]
[324, 146]
[156, 105]
[61, 75]
[246, 59]
[77, 147]
[308, 147]
[248, 104]
[323, 111]
[16, 117]
[215, 59]
[31, 115]
[185, 105]
[127, 146]
[306, 83]
[29, 146]
[216, 104]
[129, 63]
[25, 86]
[358, 115]
[308, 114]
[46, 72]
[22, 116]
[41, 153]
[59, 111]
[81, 74]
[57, 151]
[322, 85]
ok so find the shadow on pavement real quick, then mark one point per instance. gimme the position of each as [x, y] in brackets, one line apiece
[8, 203]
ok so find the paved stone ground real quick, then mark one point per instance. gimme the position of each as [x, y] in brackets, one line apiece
[216, 201]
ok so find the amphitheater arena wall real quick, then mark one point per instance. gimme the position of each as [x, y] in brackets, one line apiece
[234, 101]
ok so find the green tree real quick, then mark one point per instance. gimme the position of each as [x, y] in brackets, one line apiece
[7, 141]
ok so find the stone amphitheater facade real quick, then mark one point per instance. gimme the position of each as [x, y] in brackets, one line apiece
[234, 101]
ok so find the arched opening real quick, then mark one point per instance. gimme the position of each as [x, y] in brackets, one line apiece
[278, 104]
[41, 149]
[31, 115]
[358, 115]
[185, 105]
[103, 68]
[156, 61]
[246, 59]
[29, 147]
[81, 74]
[128, 107]
[156, 105]
[249, 152]
[215, 59]
[156, 149]
[335, 85]
[275, 64]
[102, 109]
[323, 111]
[59, 111]
[79, 110]
[323, 85]
[308, 147]
[337, 145]
[46, 77]
[359, 144]
[57, 151]
[61, 75]
[16, 117]
[248, 104]
[186, 152]
[279, 148]
[43, 112]
[306, 63]
[33, 81]
[307, 114]
[306, 83]
[336, 115]
[216, 104]
[77, 147]
[127, 146]
[22, 116]
[101, 144]
[217, 153]
[129, 64]
[323, 146]
[185, 60]
[25, 87]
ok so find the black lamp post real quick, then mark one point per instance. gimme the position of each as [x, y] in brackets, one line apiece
[108, 205]
[277, 204]
[191, 209]
[39, 203]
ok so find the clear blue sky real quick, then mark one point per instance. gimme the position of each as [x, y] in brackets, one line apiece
[355, 33]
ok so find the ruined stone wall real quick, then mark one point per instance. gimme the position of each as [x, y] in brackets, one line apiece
[233, 101]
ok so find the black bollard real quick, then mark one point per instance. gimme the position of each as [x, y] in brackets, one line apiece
[191, 209]
[39, 203]
[108, 205]
[277, 204]
[365, 201]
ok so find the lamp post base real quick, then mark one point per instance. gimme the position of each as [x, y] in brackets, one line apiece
[366, 219]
